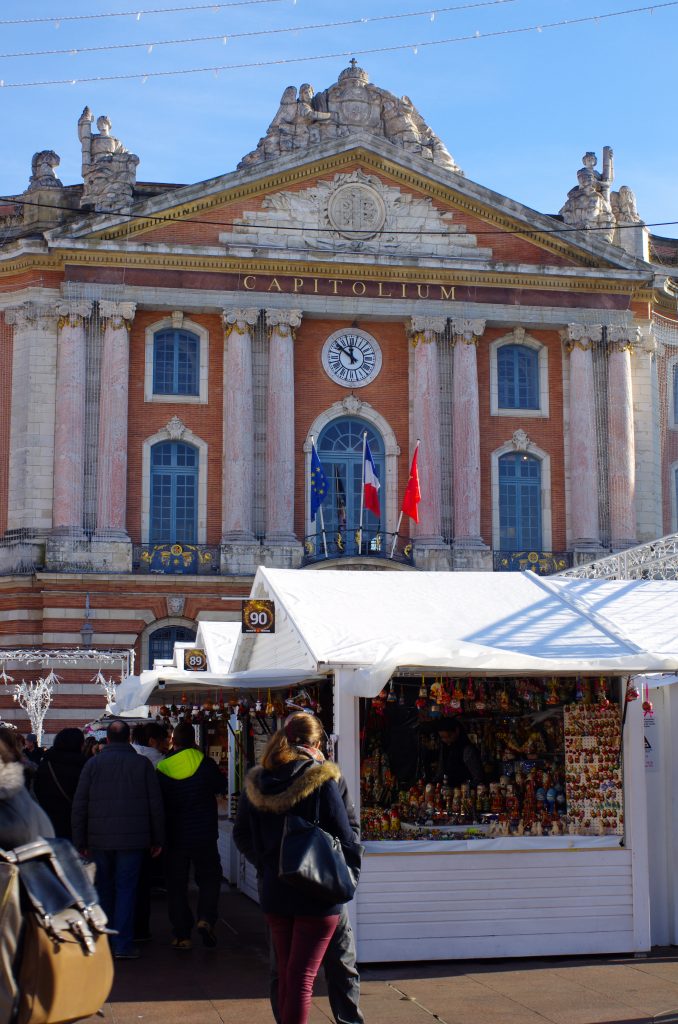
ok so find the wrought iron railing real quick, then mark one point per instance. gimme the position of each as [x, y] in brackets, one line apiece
[319, 547]
[176, 559]
[543, 563]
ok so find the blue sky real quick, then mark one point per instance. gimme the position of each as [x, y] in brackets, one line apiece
[517, 111]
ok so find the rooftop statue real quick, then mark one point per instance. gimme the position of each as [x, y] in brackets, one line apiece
[349, 106]
[588, 203]
[43, 173]
[108, 169]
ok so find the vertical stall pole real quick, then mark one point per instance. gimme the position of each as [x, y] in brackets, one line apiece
[346, 722]
[635, 823]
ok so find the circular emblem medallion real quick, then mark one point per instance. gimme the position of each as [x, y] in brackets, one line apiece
[356, 211]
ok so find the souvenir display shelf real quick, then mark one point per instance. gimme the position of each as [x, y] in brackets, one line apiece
[549, 751]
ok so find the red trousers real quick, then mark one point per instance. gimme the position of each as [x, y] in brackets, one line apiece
[300, 944]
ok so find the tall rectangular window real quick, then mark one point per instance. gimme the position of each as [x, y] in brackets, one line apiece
[176, 363]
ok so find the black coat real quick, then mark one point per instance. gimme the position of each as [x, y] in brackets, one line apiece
[118, 805]
[189, 783]
[258, 829]
[56, 781]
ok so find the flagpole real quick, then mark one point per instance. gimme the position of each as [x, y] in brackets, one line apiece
[400, 517]
[362, 496]
[320, 509]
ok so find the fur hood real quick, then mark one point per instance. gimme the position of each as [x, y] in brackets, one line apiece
[11, 779]
[278, 793]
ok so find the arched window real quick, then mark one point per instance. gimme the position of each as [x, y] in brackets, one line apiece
[520, 525]
[340, 448]
[174, 493]
[161, 642]
[518, 377]
[176, 363]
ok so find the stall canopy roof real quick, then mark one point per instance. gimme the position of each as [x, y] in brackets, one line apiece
[484, 623]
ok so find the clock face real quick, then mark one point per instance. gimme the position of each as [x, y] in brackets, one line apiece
[351, 358]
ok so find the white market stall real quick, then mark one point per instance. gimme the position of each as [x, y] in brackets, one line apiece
[514, 894]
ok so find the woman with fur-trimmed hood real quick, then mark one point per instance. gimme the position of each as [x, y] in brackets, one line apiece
[292, 772]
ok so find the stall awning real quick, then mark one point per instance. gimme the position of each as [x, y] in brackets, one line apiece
[481, 623]
[162, 686]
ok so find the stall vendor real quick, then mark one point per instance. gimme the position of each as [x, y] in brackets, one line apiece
[459, 759]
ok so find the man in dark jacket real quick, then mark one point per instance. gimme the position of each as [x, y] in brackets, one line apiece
[339, 963]
[190, 783]
[117, 815]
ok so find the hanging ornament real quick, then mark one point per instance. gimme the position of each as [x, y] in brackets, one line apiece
[270, 709]
[647, 703]
[631, 692]
[4, 677]
[257, 706]
[391, 699]
[423, 692]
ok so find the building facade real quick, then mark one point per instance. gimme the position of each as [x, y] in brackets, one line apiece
[168, 355]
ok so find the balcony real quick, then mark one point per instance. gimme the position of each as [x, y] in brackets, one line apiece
[319, 547]
[176, 559]
[543, 563]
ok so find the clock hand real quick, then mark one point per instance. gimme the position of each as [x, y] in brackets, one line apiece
[348, 352]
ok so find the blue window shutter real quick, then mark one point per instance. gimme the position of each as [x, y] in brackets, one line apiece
[174, 493]
[176, 363]
[518, 377]
[520, 526]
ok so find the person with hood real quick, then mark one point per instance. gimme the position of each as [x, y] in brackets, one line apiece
[293, 772]
[190, 782]
[56, 779]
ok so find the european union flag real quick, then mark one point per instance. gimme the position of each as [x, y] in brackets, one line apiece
[318, 482]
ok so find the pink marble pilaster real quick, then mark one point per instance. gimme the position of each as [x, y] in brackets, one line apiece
[280, 424]
[424, 331]
[580, 340]
[112, 448]
[621, 437]
[466, 433]
[238, 465]
[69, 424]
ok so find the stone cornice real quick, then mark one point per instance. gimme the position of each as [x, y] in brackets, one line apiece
[339, 162]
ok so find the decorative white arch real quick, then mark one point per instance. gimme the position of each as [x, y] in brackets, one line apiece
[177, 321]
[174, 620]
[518, 336]
[521, 442]
[175, 430]
[353, 406]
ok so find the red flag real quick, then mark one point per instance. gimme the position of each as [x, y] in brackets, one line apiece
[412, 497]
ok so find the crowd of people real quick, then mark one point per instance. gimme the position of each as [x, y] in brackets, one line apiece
[142, 806]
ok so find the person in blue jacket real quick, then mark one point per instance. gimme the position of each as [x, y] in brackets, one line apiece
[190, 783]
[292, 773]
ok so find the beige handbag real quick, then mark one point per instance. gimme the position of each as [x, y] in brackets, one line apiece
[64, 967]
[10, 926]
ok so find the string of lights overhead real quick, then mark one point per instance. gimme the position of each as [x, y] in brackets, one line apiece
[143, 76]
[136, 14]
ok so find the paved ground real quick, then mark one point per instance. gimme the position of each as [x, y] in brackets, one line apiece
[229, 985]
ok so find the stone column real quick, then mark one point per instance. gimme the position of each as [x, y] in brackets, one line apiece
[239, 550]
[31, 460]
[69, 429]
[621, 437]
[469, 549]
[430, 552]
[282, 548]
[113, 415]
[579, 342]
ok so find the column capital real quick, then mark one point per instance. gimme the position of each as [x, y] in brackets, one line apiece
[72, 314]
[622, 338]
[35, 316]
[423, 328]
[582, 336]
[283, 321]
[468, 331]
[120, 314]
[239, 320]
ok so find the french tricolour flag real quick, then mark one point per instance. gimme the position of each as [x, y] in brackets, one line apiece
[371, 483]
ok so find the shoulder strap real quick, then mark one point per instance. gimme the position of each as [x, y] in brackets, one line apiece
[58, 784]
[316, 820]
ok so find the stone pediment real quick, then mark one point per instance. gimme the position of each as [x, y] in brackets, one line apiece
[352, 105]
[349, 215]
